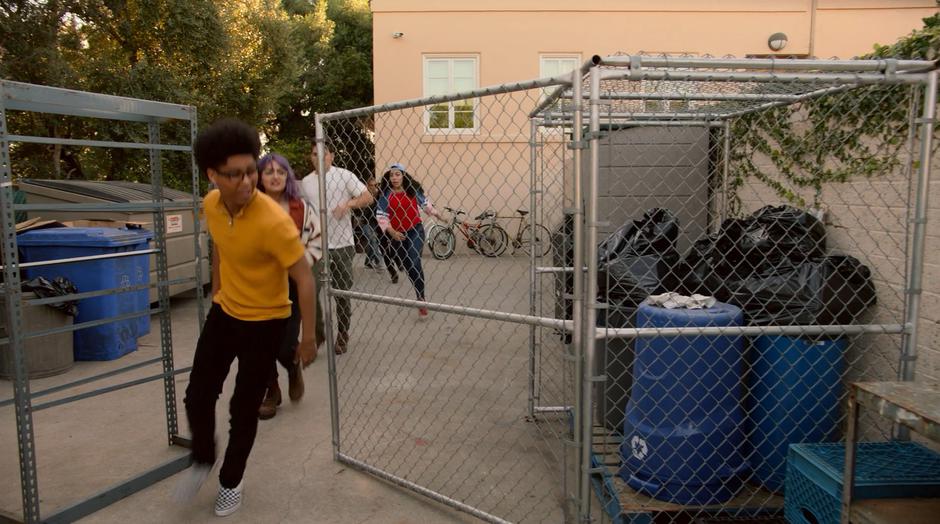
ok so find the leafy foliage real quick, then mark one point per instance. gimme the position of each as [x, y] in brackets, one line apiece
[271, 63]
[832, 138]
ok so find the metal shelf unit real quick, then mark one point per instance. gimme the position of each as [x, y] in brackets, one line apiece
[17, 96]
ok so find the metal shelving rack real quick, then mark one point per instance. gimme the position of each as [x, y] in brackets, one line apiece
[18, 96]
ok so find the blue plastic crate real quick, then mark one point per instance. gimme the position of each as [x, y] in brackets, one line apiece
[882, 470]
[114, 339]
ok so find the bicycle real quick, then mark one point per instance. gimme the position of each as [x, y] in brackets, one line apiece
[523, 240]
[486, 238]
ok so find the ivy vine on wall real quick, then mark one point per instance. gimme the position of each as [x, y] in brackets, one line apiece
[797, 149]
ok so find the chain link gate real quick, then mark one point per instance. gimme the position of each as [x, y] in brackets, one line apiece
[542, 385]
[443, 404]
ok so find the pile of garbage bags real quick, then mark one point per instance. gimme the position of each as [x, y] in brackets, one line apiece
[772, 264]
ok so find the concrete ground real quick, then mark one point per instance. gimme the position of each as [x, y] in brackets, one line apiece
[439, 401]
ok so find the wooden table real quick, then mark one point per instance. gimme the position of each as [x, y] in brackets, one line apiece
[912, 405]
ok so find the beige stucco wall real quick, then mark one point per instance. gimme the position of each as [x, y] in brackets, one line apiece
[489, 169]
[508, 37]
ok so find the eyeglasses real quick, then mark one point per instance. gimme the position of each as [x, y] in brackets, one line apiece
[237, 176]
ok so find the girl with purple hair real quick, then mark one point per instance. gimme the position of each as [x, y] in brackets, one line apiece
[277, 180]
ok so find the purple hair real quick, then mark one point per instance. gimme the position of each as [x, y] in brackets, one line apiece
[291, 187]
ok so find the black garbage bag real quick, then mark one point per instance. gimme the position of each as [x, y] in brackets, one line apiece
[718, 264]
[655, 233]
[828, 290]
[59, 286]
[563, 256]
[639, 259]
[629, 279]
[776, 233]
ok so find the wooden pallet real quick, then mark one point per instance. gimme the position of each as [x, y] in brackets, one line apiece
[624, 505]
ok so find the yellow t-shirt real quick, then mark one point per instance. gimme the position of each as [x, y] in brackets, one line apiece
[256, 247]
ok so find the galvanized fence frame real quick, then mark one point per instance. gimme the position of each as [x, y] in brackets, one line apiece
[19, 96]
[827, 79]
[582, 98]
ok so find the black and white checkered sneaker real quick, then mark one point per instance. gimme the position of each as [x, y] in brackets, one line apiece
[229, 500]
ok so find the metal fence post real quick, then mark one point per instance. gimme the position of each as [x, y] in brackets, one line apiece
[577, 299]
[725, 175]
[590, 298]
[533, 152]
[915, 274]
[325, 284]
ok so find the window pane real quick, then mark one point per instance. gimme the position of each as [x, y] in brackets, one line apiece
[549, 67]
[437, 69]
[437, 86]
[558, 66]
[463, 119]
[463, 84]
[464, 69]
[438, 117]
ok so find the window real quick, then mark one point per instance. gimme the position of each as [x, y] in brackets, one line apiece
[444, 76]
[555, 65]
[558, 65]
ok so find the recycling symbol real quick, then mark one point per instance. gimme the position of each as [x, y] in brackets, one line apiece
[639, 447]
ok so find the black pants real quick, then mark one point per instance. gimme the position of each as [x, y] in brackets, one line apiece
[223, 339]
[288, 348]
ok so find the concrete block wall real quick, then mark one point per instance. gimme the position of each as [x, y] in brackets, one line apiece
[868, 218]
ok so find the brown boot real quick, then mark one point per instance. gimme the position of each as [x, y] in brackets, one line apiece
[342, 338]
[272, 399]
[295, 381]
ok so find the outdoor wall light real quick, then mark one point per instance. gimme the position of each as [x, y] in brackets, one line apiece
[777, 41]
[399, 34]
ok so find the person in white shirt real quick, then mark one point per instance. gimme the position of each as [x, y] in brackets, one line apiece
[344, 192]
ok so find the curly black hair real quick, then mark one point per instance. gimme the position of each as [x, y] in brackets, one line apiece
[222, 139]
[411, 186]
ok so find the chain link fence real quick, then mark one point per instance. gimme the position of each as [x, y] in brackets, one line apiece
[630, 289]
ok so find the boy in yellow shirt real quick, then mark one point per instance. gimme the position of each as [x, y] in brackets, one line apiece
[255, 247]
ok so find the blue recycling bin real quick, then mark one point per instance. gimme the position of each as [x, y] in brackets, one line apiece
[683, 439]
[112, 340]
[794, 393]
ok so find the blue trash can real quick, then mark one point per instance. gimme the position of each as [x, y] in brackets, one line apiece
[683, 434]
[794, 388]
[112, 340]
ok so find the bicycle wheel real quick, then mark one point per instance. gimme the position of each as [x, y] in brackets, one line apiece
[442, 243]
[429, 234]
[492, 240]
[541, 244]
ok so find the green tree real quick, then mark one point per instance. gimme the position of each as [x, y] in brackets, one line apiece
[227, 58]
[336, 40]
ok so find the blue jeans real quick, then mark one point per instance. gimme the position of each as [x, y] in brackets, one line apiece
[406, 254]
[372, 247]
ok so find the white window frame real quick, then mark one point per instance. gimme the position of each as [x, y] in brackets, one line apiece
[554, 131]
[576, 57]
[450, 129]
